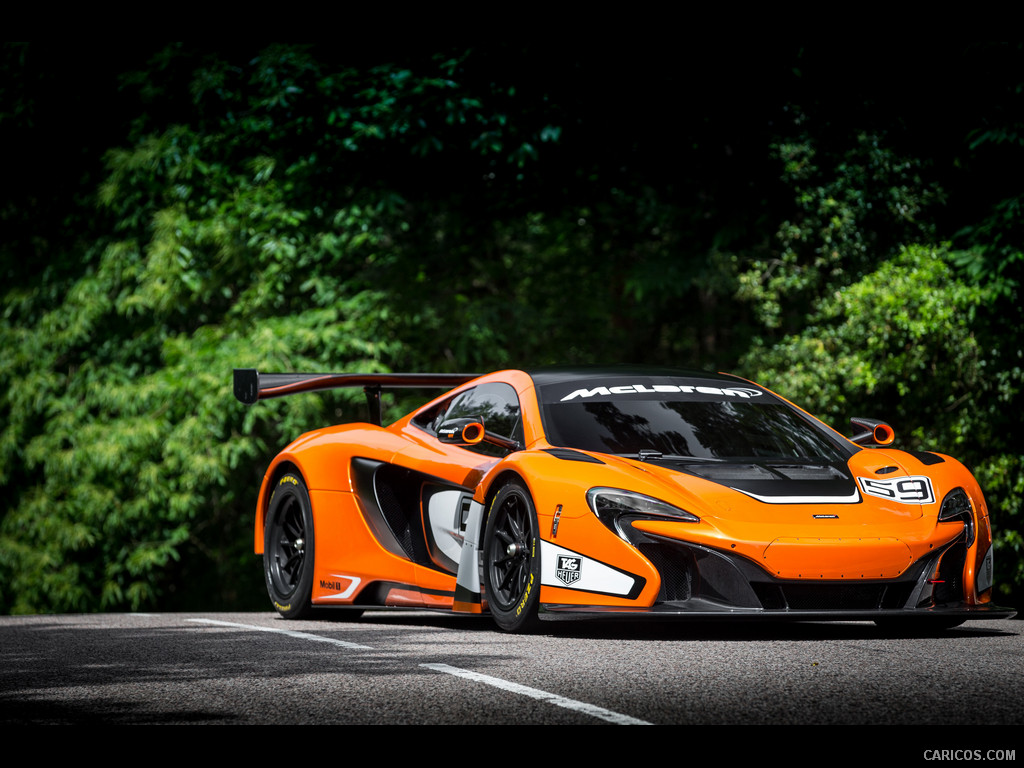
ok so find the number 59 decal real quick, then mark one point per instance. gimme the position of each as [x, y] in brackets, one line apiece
[905, 490]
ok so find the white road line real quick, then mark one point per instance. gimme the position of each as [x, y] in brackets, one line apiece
[497, 682]
[551, 698]
[289, 632]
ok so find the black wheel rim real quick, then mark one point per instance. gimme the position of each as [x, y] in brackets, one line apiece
[511, 551]
[287, 544]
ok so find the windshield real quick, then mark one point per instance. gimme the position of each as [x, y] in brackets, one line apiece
[685, 421]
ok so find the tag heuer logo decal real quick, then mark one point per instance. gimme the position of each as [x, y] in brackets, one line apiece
[568, 569]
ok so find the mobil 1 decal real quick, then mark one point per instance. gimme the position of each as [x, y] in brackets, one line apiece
[905, 490]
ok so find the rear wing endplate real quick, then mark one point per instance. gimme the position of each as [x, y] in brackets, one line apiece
[252, 386]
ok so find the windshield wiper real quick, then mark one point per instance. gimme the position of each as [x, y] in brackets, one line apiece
[649, 454]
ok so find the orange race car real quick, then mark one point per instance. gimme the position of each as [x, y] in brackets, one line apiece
[569, 493]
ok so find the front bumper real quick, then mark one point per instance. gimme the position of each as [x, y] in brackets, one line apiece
[702, 582]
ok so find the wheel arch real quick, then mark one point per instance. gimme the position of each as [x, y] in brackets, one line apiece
[499, 481]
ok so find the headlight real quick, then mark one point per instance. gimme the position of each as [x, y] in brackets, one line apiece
[957, 506]
[611, 503]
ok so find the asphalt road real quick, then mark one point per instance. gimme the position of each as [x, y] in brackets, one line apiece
[420, 668]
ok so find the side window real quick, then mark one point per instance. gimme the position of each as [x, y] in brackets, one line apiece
[497, 405]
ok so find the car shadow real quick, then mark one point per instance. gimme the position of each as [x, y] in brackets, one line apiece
[685, 629]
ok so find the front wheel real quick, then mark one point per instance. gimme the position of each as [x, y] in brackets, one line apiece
[512, 559]
[288, 548]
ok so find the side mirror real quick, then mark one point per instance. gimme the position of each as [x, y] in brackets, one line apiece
[461, 432]
[871, 432]
[470, 432]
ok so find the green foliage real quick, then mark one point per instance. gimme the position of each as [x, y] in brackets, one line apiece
[995, 254]
[907, 326]
[852, 210]
[122, 450]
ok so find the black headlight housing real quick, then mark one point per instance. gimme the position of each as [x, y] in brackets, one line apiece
[957, 506]
[615, 507]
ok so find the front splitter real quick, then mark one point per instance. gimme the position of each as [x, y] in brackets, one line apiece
[706, 610]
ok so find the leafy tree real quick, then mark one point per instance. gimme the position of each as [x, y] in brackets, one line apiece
[231, 243]
[851, 211]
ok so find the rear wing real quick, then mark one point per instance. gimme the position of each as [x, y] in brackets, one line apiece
[252, 386]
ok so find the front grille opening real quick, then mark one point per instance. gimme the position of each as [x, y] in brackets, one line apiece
[833, 597]
[698, 574]
[948, 586]
[676, 566]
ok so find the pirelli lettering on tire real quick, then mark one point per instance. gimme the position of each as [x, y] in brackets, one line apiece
[526, 596]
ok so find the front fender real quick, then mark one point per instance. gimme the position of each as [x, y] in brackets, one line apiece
[558, 486]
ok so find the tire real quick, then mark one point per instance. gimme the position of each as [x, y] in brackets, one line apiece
[288, 548]
[512, 559]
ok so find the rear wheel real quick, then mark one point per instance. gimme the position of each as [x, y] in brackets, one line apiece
[288, 548]
[512, 559]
